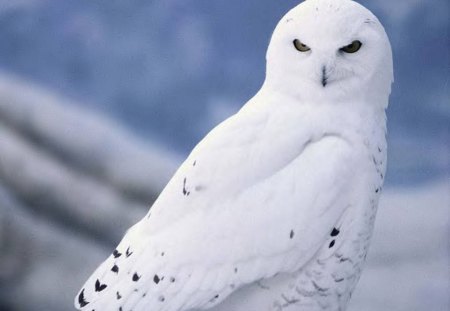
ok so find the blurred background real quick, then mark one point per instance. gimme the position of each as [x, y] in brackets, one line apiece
[100, 101]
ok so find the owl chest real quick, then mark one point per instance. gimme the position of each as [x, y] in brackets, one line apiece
[328, 280]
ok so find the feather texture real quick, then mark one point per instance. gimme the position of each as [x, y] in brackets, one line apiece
[275, 206]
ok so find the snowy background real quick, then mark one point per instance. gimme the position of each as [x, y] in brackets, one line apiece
[101, 100]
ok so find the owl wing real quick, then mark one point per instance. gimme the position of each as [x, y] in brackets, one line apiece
[246, 204]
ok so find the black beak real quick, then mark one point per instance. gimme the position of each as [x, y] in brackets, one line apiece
[324, 76]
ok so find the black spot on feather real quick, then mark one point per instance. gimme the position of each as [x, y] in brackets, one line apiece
[331, 244]
[214, 298]
[115, 269]
[99, 287]
[116, 254]
[81, 300]
[335, 232]
[128, 252]
[156, 279]
[185, 192]
[291, 235]
[118, 296]
[136, 277]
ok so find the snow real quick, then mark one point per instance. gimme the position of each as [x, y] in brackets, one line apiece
[92, 142]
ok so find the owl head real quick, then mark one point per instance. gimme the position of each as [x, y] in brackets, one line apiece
[330, 50]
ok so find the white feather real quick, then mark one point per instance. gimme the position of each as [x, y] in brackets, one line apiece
[262, 196]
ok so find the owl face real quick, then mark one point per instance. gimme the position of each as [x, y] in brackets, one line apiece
[330, 48]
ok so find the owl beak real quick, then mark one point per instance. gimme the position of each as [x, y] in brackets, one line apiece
[324, 76]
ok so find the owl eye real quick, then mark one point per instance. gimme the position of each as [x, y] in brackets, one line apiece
[352, 47]
[300, 46]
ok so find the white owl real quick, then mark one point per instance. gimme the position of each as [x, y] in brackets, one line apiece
[274, 208]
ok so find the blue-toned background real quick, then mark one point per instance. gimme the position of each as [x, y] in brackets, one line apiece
[170, 70]
[110, 92]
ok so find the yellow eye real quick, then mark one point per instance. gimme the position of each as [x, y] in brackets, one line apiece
[300, 46]
[352, 47]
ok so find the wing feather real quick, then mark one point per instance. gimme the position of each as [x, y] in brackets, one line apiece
[244, 206]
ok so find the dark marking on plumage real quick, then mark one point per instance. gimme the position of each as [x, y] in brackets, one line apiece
[128, 253]
[377, 190]
[374, 160]
[156, 279]
[144, 294]
[262, 286]
[115, 269]
[291, 234]
[317, 287]
[324, 76]
[99, 287]
[161, 298]
[120, 309]
[288, 301]
[304, 292]
[116, 254]
[345, 259]
[235, 270]
[214, 298]
[162, 254]
[172, 280]
[321, 262]
[136, 277]
[332, 244]
[81, 300]
[118, 296]
[335, 232]
[338, 280]
[195, 162]
[185, 192]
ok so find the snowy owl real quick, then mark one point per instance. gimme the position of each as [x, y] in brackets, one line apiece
[274, 208]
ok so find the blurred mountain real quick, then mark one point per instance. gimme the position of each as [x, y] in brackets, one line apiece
[71, 183]
[171, 70]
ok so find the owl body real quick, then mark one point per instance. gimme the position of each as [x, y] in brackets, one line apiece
[274, 208]
[328, 279]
